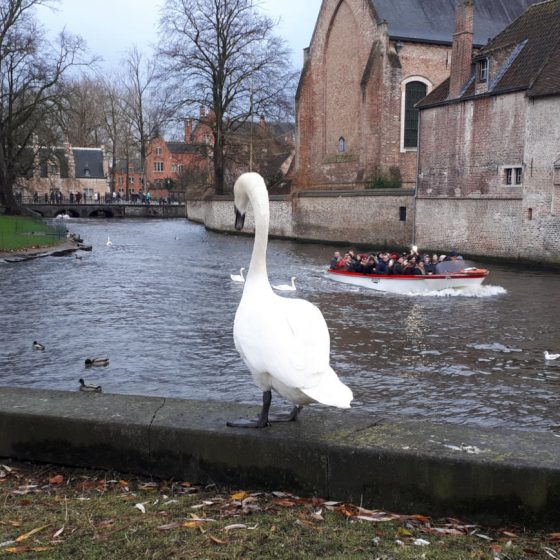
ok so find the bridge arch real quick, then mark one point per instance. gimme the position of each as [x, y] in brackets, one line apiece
[102, 213]
[72, 213]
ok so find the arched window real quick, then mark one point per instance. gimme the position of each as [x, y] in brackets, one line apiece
[414, 91]
[341, 145]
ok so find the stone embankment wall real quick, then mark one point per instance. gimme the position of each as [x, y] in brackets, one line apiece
[377, 218]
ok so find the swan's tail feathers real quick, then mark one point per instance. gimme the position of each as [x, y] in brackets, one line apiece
[330, 391]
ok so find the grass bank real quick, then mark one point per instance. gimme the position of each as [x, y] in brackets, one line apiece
[22, 232]
[49, 512]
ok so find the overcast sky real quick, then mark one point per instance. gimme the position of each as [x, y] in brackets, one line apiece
[111, 27]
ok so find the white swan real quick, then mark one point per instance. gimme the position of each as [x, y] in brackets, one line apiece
[109, 242]
[548, 356]
[284, 342]
[238, 277]
[287, 287]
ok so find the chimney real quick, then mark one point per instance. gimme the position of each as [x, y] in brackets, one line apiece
[188, 131]
[202, 112]
[462, 51]
[262, 123]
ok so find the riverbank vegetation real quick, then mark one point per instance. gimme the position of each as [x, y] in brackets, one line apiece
[49, 512]
[19, 233]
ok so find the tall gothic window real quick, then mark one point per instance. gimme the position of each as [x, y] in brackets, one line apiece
[341, 145]
[413, 93]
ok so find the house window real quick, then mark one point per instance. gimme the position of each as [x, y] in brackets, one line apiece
[402, 213]
[158, 151]
[158, 165]
[483, 70]
[131, 180]
[121, 180]
[414, 91]
[509, 176]
[174, 168]
[513, 175]
[341, 145]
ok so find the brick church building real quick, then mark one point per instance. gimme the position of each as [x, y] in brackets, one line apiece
[368, 64]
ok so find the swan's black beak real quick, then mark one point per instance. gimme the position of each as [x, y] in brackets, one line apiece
[239, 220]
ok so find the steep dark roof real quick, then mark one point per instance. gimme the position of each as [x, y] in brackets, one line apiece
[533, 64]
[434, 20]
[181, 148]
[89, 163]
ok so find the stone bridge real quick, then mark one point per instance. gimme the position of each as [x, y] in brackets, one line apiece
[100, 210]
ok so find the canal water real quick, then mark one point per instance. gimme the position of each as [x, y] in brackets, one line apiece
[160, 304]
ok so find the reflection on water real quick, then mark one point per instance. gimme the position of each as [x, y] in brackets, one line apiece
[160, 304]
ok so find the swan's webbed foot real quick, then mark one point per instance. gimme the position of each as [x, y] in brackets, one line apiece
[261, 421]
[247, 423]
[290, 417]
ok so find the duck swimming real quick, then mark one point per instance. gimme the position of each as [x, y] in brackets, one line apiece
[84, 387]
[284, 342]
[97, 362]
[38, 345]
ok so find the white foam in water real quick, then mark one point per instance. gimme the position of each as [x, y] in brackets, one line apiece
[472, 292]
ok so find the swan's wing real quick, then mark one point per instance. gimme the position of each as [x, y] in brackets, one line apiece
[287, 338]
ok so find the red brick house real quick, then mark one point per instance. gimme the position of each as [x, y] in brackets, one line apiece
[489, 160]
[368, 64]
[166, 162]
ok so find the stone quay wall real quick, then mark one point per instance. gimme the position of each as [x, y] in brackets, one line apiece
[377, 218]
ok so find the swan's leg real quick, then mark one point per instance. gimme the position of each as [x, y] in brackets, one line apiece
[261, 421]
[290, 417]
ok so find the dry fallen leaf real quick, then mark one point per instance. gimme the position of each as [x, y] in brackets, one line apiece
[141, 507]
[239, 496]
[58, 533]
[25, 536]
[192, 524]
[57, 479]
[235, 526]
[169, 526]
[216, 540]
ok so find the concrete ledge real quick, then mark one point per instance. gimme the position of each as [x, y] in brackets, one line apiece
[342, 455]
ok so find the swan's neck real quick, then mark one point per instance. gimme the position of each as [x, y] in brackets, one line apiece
[258, 274]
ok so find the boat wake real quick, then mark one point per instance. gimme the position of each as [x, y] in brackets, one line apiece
[483, 291]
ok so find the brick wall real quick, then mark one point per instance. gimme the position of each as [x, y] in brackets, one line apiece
[463, 199]
[351, 87]
[346, 218]
[541, 181]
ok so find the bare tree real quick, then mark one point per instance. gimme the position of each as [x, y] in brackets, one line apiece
[31, 74]
[115, 124]
[147, 110]
[82, 112]
[223, 55]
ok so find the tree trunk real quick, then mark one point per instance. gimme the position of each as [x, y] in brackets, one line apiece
[219, 162]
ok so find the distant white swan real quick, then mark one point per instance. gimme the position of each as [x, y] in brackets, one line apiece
[284, 342]
[287, 287]
[238, 277]
[109, 242]
[548, 356]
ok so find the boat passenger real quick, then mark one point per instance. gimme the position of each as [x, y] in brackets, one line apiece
[428, 265]
[400, 266]
[335, 261]
[412, 268]
[369, 267]
[382, 266]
